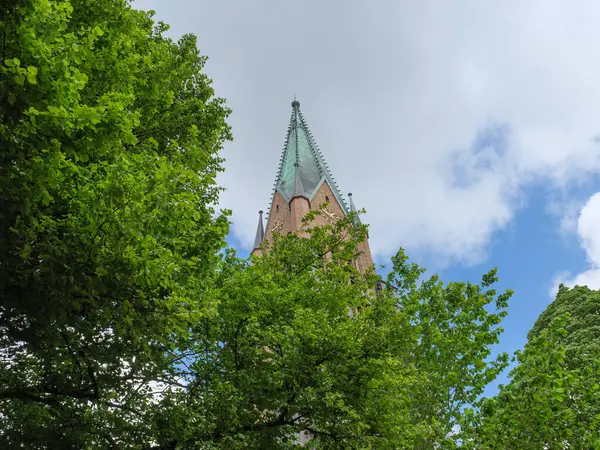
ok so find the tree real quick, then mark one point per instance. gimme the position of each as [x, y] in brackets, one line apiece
[553, 397]
[114, 288]
[109, 138]
[454, 327]
[582, 338]
[282, 354]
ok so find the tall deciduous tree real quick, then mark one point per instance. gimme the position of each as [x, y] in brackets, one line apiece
[109, 140]
[454, 327]
[582, 338]
[553, 397]
[113, 286]
[283, 354]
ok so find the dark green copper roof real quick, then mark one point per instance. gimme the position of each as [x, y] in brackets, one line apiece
[302, 168]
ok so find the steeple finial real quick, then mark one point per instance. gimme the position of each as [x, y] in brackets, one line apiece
[295, 103]
[260, 231]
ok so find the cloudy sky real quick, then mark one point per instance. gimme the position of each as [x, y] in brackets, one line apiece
[468, 130]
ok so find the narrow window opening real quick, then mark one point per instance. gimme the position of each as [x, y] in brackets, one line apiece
[326, 199]
[276, 208]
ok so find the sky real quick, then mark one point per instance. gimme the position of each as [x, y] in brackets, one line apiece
[468, 130]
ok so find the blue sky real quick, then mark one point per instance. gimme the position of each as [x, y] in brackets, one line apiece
[467, 130]
[529, 253]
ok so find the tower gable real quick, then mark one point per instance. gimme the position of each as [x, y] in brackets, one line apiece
[286, 216]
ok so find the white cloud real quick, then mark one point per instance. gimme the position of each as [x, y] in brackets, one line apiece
[559, 278]
[400, 96]
[566, 208]
[588, 229]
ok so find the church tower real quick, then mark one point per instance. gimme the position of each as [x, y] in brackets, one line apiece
[304, 183]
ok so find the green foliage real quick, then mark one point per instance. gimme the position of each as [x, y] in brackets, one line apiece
[454, 327]
[114, 288]
[109, 138]
[300, 341]
[582, 339]
[553, 398]
[283, 354]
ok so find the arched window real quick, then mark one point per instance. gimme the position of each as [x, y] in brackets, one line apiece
[276, 208]
[326, 199]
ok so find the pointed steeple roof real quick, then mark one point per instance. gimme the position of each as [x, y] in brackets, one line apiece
[302, 167]
[356, 219]
[260, 231]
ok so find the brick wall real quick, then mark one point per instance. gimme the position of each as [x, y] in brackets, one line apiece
[286, 218]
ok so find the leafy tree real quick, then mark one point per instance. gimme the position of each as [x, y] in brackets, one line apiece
[282, 354]
[454, 327]
[553, 397]
[113, 287]
[582, 337]
[109, 138]
[545, 405]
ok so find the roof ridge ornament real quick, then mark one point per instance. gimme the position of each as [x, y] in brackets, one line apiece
[295, 103]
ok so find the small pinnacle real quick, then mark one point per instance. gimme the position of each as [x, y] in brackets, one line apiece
[260, 212]
[349, 194]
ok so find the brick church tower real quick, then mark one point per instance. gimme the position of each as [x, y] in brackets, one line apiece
[304, 183]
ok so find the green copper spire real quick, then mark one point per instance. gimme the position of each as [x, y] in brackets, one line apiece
[356, 219]
[302, 168]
